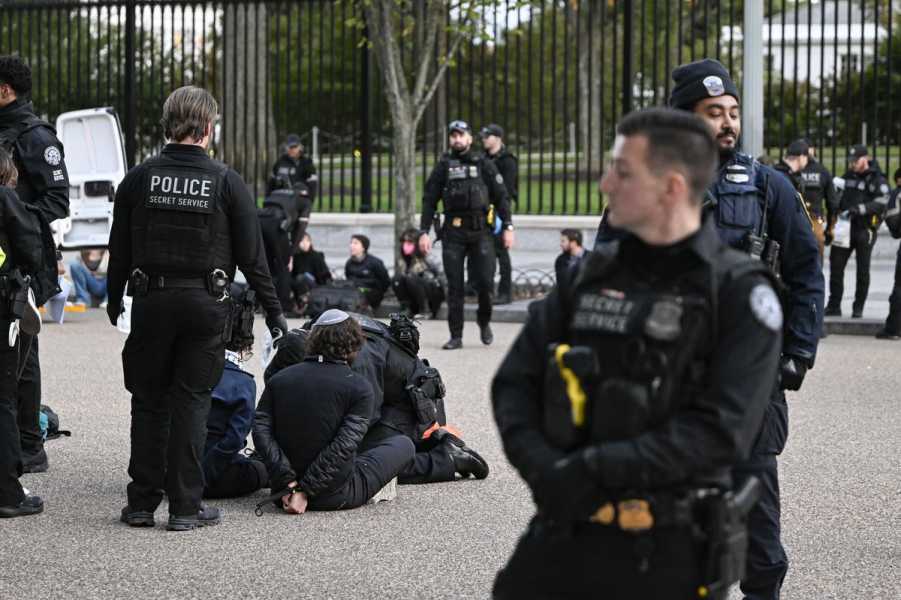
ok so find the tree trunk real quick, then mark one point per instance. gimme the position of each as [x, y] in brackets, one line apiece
[404, 142]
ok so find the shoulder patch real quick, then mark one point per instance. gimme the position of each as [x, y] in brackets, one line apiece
[737, 177]
[883, 189]
[765, 307]
[499, 178]
[52, 156]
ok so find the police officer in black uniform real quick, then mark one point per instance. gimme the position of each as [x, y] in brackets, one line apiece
[294, 167]
[818, 192]
[624, 402]
[20, 248]
[283, 221]
[892, 328]
[757, 211]
[182, 222]
[44, 185]
[792, 166]
[467, 183]
[864, 198]
[507, 165]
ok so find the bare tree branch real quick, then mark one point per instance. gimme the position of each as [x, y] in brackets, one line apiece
[433, 10]
[420, 107]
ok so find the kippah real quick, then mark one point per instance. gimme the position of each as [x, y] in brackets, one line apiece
[332, 316]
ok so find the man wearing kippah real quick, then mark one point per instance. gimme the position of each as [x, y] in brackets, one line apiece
[755, 209]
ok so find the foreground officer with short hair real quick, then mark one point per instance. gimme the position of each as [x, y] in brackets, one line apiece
[182, 222]
[631, 392]
[467, 184]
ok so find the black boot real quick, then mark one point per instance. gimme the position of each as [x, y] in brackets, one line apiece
[453, 344]
[137, 518]
[207, 515]
[30, 505]
[466, 460]
[486, 334]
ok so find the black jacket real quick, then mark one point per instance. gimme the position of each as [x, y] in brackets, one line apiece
[246, 250]
[368, 273]
[865, 196]
[437, 183]
[309, 423]
[508, 166]
[39, 157]
[20, 235]
[566, 264]
[311, 262]
[818, 191]
[708, 429]
[301, 170]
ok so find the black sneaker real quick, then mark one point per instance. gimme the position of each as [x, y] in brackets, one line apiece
[832, 311]
[885, 334]
[208, 515]
[486, 334]
[137, 518]
[30, 505]
[453, 344]
[857, 314]
[36, 463]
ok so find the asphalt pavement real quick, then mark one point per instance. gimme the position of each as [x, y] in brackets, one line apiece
[841, 479]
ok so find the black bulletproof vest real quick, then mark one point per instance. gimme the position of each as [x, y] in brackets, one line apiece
[651, 344]
[466, 191]
[179, 225]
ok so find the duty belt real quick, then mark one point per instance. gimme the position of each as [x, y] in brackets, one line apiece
[160, 282]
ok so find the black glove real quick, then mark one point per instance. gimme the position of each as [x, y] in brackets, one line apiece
[567, 491]
[278, 328]
[113, 310]
[792, 371]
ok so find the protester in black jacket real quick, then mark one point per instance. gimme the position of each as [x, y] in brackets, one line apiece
[311, 420]
[308, 270]
[366, 271]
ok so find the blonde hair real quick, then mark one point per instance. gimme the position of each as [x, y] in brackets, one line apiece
[187, 112]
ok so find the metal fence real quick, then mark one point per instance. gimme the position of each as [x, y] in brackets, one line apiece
[556, 75]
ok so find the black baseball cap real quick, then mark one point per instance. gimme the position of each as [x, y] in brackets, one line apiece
[458, 125]
[857, 151]
[292, 140]
[492, 129]
[797, 148]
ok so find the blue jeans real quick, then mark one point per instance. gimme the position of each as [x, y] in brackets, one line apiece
[86, 285]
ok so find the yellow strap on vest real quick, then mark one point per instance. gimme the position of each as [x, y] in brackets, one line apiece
[574, 391]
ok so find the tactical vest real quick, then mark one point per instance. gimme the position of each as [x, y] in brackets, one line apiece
[862, 189]
[465, 192]
[638, 354]
[738, 204]
[179, 225]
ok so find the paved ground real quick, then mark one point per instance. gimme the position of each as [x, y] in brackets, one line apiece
[841, 475]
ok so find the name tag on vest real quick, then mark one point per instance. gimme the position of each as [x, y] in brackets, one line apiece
[173, 190]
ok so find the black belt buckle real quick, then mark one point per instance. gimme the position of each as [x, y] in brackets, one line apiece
[217, 284]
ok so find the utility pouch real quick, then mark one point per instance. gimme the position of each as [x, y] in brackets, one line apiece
[754, 245]
[240, 328]
[771, 254]
[138, 284]
[17, 294]
[621, 402]
[726, 532]
[569, 371]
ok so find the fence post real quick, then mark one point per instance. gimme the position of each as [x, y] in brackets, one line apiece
[628, 38]
[365, 133]
[131, 100]
[752, 81]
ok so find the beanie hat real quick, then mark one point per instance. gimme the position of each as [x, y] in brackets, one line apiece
[706, 78]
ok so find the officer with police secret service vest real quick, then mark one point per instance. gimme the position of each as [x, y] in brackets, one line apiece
[182, 222]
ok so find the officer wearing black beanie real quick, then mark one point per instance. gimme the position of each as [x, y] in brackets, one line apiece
[756, 209]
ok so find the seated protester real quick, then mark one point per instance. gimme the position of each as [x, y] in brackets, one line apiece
[21, 244]
[307, 271]
[367, 272]
[88, 273]
[311, 419]
[227, 472]
[419, 284]
[571, 253]
[388, 360]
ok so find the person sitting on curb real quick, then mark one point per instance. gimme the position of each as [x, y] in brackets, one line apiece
[419, 284]
[310, 422]
[366, 271]
[89, 277]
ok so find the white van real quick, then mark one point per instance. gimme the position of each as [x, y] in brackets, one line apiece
[95, 159]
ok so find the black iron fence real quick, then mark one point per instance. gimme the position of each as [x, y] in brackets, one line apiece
[556, 75]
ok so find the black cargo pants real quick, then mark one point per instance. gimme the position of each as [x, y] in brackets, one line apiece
[172, 359]
[10, 450]
[460, 244]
